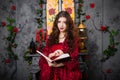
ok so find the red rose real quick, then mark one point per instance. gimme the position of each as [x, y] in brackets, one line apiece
[108, 71]
[92, 5]
[38, 37]
[111, 46]
[15, 29]
[86, 57]
[103, 28]
[69, 10]
[42, 34]
[46, 36]
[80, 4]
[41, 6]
[12, 45]
[87, 16]
[13, 7]
[51, 11]
[3, 24]
[37, 48]
[7, 60]
[86, 75]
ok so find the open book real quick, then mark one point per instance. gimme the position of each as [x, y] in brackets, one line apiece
[61, 58]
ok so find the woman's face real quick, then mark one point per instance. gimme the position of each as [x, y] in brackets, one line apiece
[62, 24]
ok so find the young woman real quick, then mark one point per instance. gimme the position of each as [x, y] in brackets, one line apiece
[63, 39]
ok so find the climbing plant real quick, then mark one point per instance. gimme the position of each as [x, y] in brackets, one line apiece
[12, 31]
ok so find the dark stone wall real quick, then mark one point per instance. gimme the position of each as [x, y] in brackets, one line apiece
[106, 12]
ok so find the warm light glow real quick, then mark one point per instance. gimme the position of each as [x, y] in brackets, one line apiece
[81, 26]
[81, 29]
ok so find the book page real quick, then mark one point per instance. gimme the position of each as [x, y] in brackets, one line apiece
[62, 57]
[47, 58]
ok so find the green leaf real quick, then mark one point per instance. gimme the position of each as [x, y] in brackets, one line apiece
[39, 11]
[11, 20]
[81, 1]
[114, 49]
[15, 45]
[107, 27]
[105, 52]
[115, 33]
[117, 43]
[41, 2]
[111, 39]
[8, 19]
[111, 53]
[40, 26]
[9, 27]
[9, 38]
[83, 14]
[15, 57]
[83, 21]
[9, 48]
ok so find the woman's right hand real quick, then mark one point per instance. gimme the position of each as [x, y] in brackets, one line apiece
[51, 55]
[58, 52]
[55, 53]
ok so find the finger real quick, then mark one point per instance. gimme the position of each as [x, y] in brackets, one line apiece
[60, 51]
[56, 54]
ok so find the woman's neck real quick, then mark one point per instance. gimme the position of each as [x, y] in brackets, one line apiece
[62, 37]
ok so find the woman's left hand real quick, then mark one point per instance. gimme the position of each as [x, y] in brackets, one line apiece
[54, 64]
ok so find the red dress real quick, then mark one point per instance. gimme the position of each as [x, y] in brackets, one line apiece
[70, 70]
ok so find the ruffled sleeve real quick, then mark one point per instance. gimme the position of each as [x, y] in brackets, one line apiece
[73, 63]
[44, 68]
[42, 62]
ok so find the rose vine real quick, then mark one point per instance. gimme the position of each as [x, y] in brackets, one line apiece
[12, 32]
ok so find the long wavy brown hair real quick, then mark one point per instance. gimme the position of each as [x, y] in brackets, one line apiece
[71, 31]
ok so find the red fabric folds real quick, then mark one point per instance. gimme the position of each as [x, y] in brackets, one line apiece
[70, 70]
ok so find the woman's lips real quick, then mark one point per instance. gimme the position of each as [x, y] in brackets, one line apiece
[61, 28]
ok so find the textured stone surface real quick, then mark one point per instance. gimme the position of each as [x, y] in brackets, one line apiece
[106, 12]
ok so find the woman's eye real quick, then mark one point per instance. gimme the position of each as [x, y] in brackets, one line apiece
[64, 21]
[58, 21]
